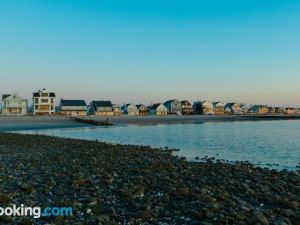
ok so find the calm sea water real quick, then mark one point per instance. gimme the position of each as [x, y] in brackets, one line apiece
[261, 142]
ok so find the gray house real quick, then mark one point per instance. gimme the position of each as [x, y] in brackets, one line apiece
[72, 107]
[130, 109]
[174, 106]
[101, 108]
[158, 109]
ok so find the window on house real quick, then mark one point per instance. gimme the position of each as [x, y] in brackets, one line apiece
[44, 94]
[44, 100]
[36, 101]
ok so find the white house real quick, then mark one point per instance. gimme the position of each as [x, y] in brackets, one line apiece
[13, 105]
[158, 109]
[218, 108]
[233, 108]
[203, 108]
[43, 102]
[117, 109]
[130, 109]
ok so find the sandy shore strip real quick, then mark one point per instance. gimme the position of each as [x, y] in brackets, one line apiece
[152, 119]
[16, 123]
[126, 184]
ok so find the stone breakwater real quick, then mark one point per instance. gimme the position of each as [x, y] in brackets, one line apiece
[126, 184]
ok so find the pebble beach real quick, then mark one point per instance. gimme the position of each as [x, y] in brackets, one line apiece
[128, 184]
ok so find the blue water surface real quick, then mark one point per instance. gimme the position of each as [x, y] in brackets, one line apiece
[265, 143]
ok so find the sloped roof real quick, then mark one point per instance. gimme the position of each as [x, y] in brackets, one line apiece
[186, 102]
[154, 106]
[229, 104]
[169, 101]
[4, 96]
[65, 102]
[140, 105]
[126, 105]
[216, 103]
[7, 97]
[102, 103]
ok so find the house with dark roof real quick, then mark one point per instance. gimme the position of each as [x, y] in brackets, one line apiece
[218, 108]
[101, 108]
[158, 109]
[272, 110]
[174, 106]
[43, 102]
[203, 108]
[13, 105]
[259, 109]
[142, 110]
[290, 110]
[186, 107]
[129, 109]
[233, 108]
[72, 107]
[280, 110]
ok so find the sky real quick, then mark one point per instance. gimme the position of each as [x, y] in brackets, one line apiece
[149, 51]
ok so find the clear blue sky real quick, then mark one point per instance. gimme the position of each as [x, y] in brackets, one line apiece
[150, 51]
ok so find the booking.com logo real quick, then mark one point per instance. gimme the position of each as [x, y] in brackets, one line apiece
[35, 212]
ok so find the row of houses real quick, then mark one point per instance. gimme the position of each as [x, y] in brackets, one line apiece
[43, 102]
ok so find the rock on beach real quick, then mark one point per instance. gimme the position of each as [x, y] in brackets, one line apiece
[128, 184]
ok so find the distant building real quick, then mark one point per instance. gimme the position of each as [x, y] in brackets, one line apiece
[218, 108]
[158, 109]
[101, 108]
[244, 108]
[259, 109]
[142, 110]
[129, 109]
[272, 110]
[13, 105]
[290, 110]
[233, 108]
[117, 109]
[280, 110]
[43, 102]
[174, 106]
[203, 108]
[72, 107]
[186, 107]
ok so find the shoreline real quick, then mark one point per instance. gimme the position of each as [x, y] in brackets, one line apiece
[170, 119]
[120, 183]
[15, 123]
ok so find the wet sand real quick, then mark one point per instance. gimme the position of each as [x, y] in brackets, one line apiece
[17, 123]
